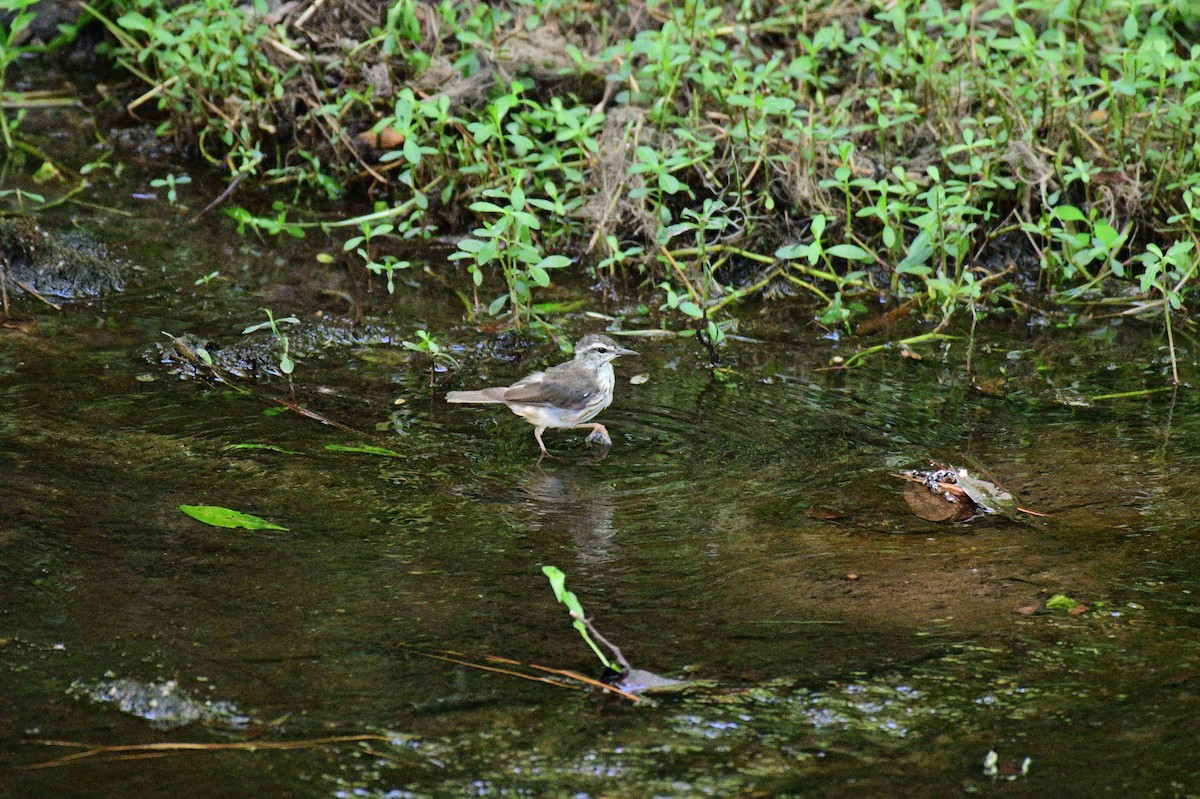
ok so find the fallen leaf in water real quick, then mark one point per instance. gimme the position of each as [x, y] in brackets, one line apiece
[851, 576]
[1078, 609]
[637, 380]
[938, 506]
[217, 516]
[986, 495]
[1028, 610]
[949, 494]
[1063, 602]
[885, 320]
[825, 514]
[993, 387]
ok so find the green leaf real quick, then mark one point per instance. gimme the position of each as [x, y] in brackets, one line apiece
[778, 105]
[539, 276]
[691, 309]
[669, 183]
[568, 598]
[1060, 602]
[1069, 213]
[558, 581]
[918, 256]
[364, 449]
[850, 252]
[497, 304]
[412, 151]
[554, 262]
[217, 516]
[790, 252]
[268, 447]
[1105, 233]
[1130, 28]
[134, 21]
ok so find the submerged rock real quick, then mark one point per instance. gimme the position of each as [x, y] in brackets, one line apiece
[640, 681]
[162, 704]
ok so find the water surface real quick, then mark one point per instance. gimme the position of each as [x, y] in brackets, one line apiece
[750, 535]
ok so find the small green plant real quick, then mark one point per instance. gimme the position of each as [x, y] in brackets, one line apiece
[21, 196]
[204, 280]
[286, 364]
[380, 265]
[581, 624]
[12, 32]
[507, 240]
[192, 52]
[438, 355]
[1166, 273]
[171, 182]
[820, 259]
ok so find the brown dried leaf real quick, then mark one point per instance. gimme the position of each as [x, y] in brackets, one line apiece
[948, 507]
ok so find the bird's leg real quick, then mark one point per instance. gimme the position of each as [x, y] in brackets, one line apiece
[537, 433]
[599, 434]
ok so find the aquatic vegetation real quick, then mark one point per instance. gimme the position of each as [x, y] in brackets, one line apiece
[286, 364]
[581, 624]
[171, 183]
[1007, 158]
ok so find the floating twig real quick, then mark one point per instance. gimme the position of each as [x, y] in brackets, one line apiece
[125, 751]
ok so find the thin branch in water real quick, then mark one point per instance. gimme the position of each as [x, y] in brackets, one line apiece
[26, 287]
[126, 751]
[620, 658]
[222, 197]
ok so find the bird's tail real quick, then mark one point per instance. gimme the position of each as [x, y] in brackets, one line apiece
[487, 395]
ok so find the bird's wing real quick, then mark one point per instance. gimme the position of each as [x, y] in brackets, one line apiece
[541, 388]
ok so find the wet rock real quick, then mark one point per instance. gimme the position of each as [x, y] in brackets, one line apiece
[162, 704]
[639, 681]
[69, 266]
[190, 356]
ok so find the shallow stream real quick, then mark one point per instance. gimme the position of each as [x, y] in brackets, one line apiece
[748, 535]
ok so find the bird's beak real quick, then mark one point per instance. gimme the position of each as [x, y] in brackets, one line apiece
[623, 351]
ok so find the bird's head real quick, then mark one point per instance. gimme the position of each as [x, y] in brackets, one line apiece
[599, 349]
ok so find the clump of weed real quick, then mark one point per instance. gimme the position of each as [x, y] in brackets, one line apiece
[718, 151]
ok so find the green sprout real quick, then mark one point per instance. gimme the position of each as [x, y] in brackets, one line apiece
[558, 584]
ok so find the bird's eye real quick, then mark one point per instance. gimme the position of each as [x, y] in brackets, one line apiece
[602, 350]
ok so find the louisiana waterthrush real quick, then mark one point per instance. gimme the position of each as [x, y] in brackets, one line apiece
[569, 395]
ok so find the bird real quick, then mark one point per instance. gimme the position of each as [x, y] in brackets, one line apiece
[568, 395]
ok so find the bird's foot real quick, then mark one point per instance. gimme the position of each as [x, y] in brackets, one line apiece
[599, 436]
